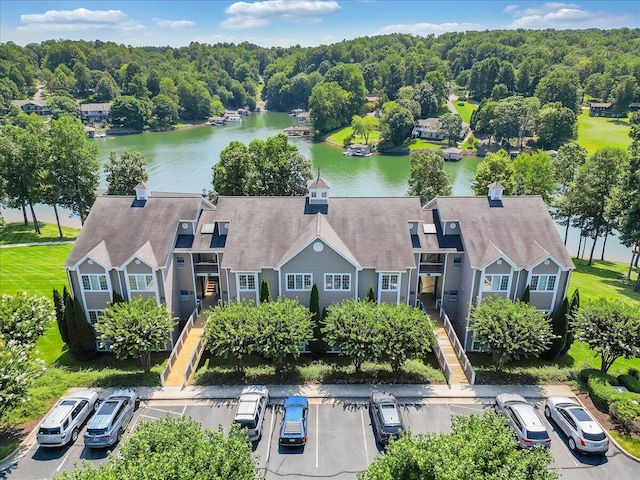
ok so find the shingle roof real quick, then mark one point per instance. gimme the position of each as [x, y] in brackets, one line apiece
[522, 230]
[115, 231]
[95, 107]
[319, 182]
[371, 232]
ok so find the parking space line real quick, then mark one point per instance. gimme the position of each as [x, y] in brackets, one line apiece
[184, 409]
[64, 459]
[266, 463]
[364, 436]
[317, 434]
[167, 411]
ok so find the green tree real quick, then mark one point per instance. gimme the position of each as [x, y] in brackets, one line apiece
[124, 172]
[611, 328]
[363, 126]
[496, 167]
[428, 178]
[175, 448]
[405, 333]
[630, 227]
[265, 293]
[135, 329]
[483, 77]
[623, 93]
[282, 326]
[164, 109]
[82, 76]
[511, 330]
[574, 306]
[231, 331]
[560, 85]
[194, 100]
[534, 174]
[396, 123]
[58, 303]
[569, 158]
[74, 165]
[371, 296]
[560, 328]
[457, 455]
[425, 96]
[556, 125]
[350, 79]
[82, 337]
[130, 112]
[271, 167]
[62, 105]
[450, 127]
[24, 318]
[106, 88]
[328, 106]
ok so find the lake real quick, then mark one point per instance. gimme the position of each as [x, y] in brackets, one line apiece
[182, 161]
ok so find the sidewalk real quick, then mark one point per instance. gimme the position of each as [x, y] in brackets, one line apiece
[35, 244]
[419, 391]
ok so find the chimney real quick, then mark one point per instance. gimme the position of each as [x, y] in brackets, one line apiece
[143, 192]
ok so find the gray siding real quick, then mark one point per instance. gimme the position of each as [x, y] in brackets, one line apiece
[271, 276]
[368, 278]
[451, 281]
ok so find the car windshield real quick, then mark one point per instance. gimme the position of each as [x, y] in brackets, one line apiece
[594, 437]
[50, 431]
[246, 423]
[538, 435]
[96, 431]
[581, 415]
[68, 403]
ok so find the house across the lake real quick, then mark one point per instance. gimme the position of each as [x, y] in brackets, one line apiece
[95, 112]
[295, 131]
[39, 107]
[603, 109]
[448, 254]
[427, 128]
[358, 150]
[452, 153]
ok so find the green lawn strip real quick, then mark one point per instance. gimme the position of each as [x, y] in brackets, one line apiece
[339, 136]
[21, 233]
[601, 280]
[329, 369]
[36, 270]
[464, 109]
[420, 143]
[7, 449]
[630, 445]
[597, 132]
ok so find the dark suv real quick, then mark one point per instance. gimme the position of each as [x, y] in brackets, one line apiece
[387, 420]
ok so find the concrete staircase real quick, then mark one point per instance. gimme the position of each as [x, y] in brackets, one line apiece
[457, 373]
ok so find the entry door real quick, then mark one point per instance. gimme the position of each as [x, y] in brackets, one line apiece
[428, 284]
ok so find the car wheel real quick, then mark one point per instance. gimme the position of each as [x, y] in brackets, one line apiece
[572, 444]
[74, 435]
[119, 436]
[136, 405]
[96, 404]
[495, 408]
[547, 412]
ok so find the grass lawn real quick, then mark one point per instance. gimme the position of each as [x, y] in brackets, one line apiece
[597, 132]
[21, 233]
[464, 109]
[36, 270]
[339, 136]
[601, 280]
[420, 143]
[631, 445]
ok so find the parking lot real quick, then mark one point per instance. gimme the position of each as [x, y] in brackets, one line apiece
[340, 440]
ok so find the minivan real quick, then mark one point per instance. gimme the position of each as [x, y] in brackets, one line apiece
[63, 423]
[250, 412]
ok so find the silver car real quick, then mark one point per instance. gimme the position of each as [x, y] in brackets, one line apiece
[63, 423]
[107, 426]
[583, 432]
[251, 410]
[523, 418]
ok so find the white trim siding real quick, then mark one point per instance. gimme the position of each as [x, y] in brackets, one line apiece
[329, 286]
[303, 277]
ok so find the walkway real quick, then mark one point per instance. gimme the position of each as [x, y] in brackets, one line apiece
[457, 373]
[176, 377]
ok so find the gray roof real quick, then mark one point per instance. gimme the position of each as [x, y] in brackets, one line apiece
[451, 150]
[521, 231]
[319, 182]
[265, 232]
[115, 230]
[427, 122]
[95, 107]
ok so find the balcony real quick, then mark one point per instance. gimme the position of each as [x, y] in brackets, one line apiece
[206, 268]
[431, 268]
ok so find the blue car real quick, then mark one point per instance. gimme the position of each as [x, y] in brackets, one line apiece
[293, 431]
[108, 424]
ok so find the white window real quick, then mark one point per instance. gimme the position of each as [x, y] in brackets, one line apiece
[543, 283]
[94, 283]
[496, 283]
[390, 282]
[457, 261]
[324, 194]
[304, 347]
[247, 281]
[141, 283]
[95, 316]
[180, 262]
[314, 194]
[337, 281]
[299, 281]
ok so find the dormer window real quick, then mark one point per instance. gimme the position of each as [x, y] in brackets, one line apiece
[318, 191]
[314, 194]
[495, 191]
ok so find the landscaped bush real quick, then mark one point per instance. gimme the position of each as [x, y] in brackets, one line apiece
[625, 412]
[632, 383]
[599, 386]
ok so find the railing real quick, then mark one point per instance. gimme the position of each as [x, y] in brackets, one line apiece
[178, 346]
[193, 363]
[469, 372]
[442, 361]
[431, 268]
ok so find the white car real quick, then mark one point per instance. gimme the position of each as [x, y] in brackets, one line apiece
[583, 432]
[252, 405]
[63, 423]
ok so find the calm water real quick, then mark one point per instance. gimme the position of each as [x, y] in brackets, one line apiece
[182, 161]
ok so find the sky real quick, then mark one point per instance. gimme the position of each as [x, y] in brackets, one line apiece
[284, 23]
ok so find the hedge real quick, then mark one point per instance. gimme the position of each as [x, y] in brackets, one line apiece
[632, 383]
[599, 386]
[625, 411]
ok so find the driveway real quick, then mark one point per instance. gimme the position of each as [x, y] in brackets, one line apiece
[340, 443]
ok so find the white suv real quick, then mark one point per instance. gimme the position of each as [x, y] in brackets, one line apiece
[63, 423]
[523, 418]
[251, 407]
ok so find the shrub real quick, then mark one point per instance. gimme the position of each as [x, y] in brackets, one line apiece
[635, 373]
[599, 386]
[625, 412]
[632, 383]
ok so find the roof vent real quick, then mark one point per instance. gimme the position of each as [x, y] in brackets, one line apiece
[142, 191]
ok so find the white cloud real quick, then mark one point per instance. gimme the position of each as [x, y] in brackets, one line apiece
[173, 23]
[78, 19]
[246, 15]
[429, 28]
[563, 15]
